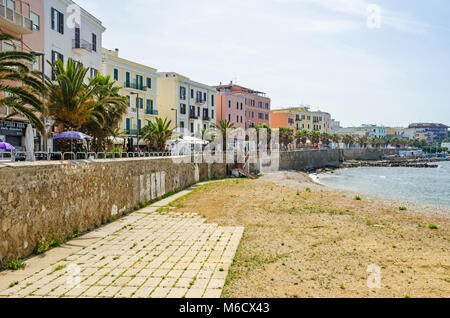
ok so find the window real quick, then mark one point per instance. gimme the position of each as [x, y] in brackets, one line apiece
[139, 82]
[149, 82]
[260, 104]
[241, 119]
[267, 105]
[241, 106]
[267, 118]
[237, 105]
[56, 56]
[139, 103]
[212, 100]
[57, 21]
[94, 42]
[94, 72]
[149, 107]
[229, 117]
[182, 124]
[128, 124]
[35, 21]
[237, 119]
[116, 74]
[192, 93]
[212, 114]
[192, 127]
[183, 109]
[139, 126]
[229, 104]
[129, 98]
[182, 93]
[127, 79]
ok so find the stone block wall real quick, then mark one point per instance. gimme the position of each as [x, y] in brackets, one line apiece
[44, 199]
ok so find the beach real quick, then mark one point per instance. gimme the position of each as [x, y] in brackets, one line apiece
[303, 239]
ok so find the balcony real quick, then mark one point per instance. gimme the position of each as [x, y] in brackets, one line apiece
[81, 47]
[131, 132]
[153, 112]
[206, 118]
[14, 21]
[134, 85]
[200, 101]
[192, 115]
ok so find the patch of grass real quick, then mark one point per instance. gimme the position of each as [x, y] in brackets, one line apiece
[358, 198]
[298, 192]
[58, 268]
[308, 190]
[14, 265]
[13, 284]
[433, 227]
[403, 208]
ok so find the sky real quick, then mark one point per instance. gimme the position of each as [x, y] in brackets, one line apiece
[381, 62]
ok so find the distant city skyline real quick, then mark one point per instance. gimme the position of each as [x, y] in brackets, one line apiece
[329, 54]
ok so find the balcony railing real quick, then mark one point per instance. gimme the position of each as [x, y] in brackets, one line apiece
[151, 112]
[192, 115]
[135, 85]
[131, 132]
[82, 45]
[15, 21]
[206, 118]
[200, 100]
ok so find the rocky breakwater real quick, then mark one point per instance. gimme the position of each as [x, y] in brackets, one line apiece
[389, 163]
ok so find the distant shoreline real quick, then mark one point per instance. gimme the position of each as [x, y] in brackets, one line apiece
[413, 206]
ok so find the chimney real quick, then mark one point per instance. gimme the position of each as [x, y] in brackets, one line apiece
[231, 82]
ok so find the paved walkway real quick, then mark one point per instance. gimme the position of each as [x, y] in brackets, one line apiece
[146, 254]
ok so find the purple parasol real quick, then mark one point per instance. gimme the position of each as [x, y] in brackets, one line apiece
[6, 146]
[72, 135]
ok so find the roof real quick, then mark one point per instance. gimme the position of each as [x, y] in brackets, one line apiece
[428, 125]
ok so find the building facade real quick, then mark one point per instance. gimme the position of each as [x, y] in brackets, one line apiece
[372, 131]
[72, 32]
[139, 84]
[436, 132]
[304, 119]
[256, 106]
[21, 19]
[231, 107]
[190, 105]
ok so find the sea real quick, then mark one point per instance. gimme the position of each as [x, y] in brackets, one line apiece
[423, 185]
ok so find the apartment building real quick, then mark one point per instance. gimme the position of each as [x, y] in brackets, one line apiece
[281, 118]
[303, 118]
[372, 131]
[21, 19]
[431, 132]
[190, 105]
[256, 107]
[139, 84]
[72, 32]
[231, 107]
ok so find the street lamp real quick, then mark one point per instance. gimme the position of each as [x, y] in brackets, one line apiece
[42, 56]
[176, 116]
[137, 115]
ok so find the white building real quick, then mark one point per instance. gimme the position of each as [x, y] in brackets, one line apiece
[72, 32]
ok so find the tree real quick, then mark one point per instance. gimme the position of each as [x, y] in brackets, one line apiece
[109, 109]
[336, 139]
[301, 137]
[157, 133]
[20, 86]
[286, 136]
[314, 137]
[363, 141]
[349, 140]
[325, 138]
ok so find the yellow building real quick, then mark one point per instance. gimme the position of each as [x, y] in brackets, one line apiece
[304, 118]
[191, 106]
[139, 84]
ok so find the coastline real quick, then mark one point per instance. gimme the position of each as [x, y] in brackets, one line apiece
[312, 180]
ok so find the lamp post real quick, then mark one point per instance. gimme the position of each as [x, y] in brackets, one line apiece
[137, 115]
[176, 117]
[42, 56]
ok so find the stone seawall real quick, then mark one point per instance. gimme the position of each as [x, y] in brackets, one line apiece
[45, 200]
[316, 159]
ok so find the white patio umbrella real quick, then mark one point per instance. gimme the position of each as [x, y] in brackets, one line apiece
[29, 143]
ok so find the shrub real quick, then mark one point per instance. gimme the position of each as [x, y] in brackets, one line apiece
[433, 227]
[13, 265]
[403, 208]
[308, 190]
[358, 198]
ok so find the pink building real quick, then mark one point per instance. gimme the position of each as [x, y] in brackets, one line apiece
[255, 106]
[231, 107]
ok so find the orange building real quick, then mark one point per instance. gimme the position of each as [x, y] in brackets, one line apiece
[282, 118]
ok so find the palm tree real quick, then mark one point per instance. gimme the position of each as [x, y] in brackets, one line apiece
[314, 137]
[223, 127]
[20, 87]
[157, 134]
[336, 139]
[301, 137]
[286, 136]
[363, 141]
[71, 102]
[349, 140]
[109, 109]
[325, 138]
